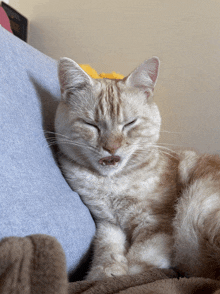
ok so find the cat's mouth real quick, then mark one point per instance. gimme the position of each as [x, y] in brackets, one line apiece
[110, 160]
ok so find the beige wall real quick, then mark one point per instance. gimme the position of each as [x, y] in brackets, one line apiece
[119, 34]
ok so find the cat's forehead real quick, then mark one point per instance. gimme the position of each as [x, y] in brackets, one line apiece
[116, 101]
[117, 90]
[105, 84]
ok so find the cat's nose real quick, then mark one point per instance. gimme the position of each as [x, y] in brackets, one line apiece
[112, 148]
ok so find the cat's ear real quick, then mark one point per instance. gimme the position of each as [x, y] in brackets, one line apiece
[72, 77]
[145, 76]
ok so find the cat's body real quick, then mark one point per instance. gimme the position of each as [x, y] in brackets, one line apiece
[152, 208]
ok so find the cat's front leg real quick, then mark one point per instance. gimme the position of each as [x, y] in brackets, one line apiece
[147, 252]
[109, 252]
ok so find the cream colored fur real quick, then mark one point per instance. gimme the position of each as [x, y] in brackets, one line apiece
[152, 208]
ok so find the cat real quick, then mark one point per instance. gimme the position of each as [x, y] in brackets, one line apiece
[152, 208]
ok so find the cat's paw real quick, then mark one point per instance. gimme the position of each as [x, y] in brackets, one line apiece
[138, 268]
[121, 259]
[96, 273]
[117, 267]
[100, 272]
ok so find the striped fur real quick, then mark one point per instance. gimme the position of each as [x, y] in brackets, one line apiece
[152, 208]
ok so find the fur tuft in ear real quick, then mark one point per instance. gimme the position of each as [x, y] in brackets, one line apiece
[145, 76]
[72, 77]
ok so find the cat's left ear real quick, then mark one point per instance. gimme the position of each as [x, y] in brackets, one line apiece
[72, 77]
[145, 76]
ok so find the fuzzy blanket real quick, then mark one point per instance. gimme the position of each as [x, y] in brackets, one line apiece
[36, 264]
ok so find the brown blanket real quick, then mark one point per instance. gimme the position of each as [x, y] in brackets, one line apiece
[36, 264]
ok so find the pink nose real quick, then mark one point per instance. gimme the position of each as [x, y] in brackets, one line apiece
[112, 148]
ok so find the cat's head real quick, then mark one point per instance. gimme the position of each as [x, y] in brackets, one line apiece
[107, 125]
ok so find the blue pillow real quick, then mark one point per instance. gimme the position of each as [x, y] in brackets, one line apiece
[35, 198]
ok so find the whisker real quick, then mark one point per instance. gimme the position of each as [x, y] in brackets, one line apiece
[168, 144]
[170, 132]
[169, 152]
[67, 140]
[55, 133]
[77, 144]
[163, 152]
[162, 147]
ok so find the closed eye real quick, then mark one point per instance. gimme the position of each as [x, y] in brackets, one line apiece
[91, 124]
[130, 123]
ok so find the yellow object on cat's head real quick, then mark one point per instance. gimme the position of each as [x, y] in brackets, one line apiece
[93, 73]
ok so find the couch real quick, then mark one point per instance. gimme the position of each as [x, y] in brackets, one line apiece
[35, 198]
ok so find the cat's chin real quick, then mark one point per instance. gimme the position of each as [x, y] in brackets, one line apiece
[109, 169]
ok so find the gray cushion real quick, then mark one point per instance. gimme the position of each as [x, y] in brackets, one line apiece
[35, 197]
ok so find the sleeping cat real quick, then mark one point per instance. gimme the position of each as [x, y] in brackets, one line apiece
[152, 209]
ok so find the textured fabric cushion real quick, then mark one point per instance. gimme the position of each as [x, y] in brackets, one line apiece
[34, 196]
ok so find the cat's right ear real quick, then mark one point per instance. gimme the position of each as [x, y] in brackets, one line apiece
[72, 77]
[144, 77]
